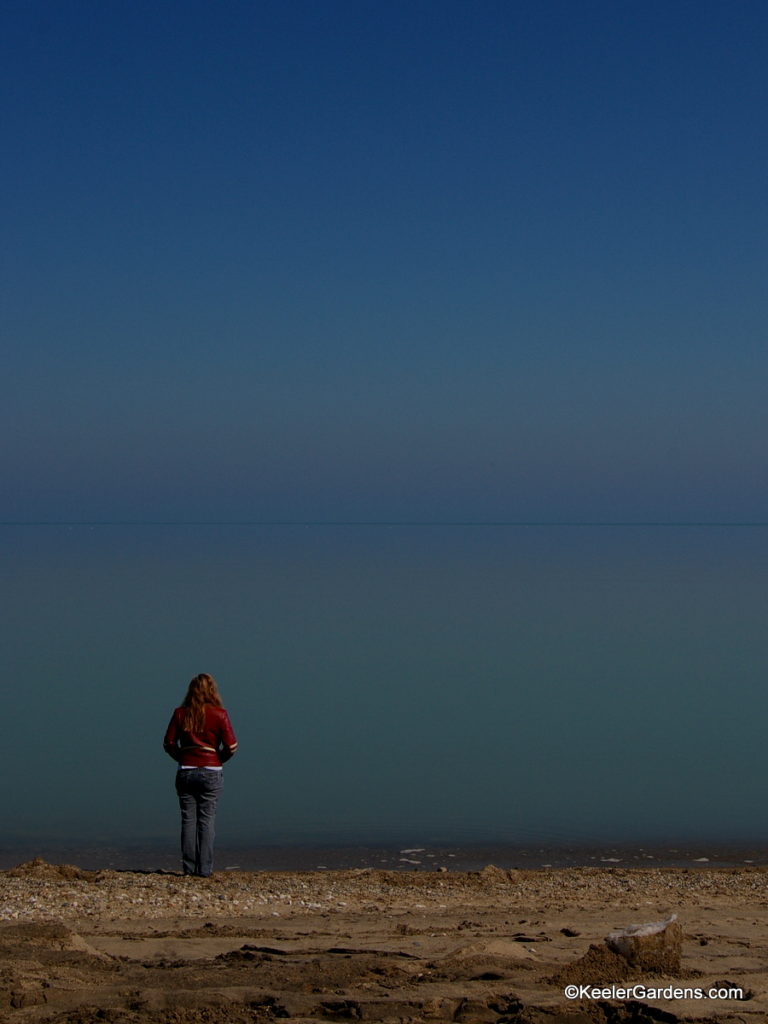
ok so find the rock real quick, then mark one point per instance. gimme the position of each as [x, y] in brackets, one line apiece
[439, 1008]
[490, 871]
[649, 947]
[27, 995]
[473, 1011]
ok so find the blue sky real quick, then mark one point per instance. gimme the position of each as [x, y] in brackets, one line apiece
[359, 260]
[387, 262]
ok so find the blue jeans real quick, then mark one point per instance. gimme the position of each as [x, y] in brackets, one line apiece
[198, 790]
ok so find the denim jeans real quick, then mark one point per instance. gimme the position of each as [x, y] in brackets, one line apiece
[198, 790]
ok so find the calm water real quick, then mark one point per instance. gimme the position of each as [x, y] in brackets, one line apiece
[547, 686]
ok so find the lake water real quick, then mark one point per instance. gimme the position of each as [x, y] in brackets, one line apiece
[543, 687]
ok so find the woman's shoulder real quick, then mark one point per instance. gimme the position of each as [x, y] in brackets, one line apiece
[177, 719]
[215, 713]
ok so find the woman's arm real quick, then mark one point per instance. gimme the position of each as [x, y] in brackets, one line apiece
[171, 738]
[227, 740]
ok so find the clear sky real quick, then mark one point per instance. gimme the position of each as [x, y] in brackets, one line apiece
[387, 262]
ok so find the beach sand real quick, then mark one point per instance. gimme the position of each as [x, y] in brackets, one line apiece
[488, 946]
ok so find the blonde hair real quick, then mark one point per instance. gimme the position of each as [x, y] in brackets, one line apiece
[202, 690]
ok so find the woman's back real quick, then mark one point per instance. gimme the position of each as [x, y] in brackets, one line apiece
[200, 739]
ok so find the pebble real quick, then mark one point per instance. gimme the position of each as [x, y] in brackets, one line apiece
[39, 892]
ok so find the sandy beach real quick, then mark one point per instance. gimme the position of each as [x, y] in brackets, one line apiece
[490, 946]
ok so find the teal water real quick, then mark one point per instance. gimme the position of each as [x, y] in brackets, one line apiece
[543, 685]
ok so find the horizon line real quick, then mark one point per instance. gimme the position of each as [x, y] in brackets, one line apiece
[388, 522]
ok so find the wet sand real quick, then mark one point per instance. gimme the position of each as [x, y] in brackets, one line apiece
[490, 946]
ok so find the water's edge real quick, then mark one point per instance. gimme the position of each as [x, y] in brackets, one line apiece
[161, 857]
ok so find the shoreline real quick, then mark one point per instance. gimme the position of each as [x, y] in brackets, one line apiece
[163, 855]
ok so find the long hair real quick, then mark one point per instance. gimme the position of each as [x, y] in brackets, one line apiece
[202, 690]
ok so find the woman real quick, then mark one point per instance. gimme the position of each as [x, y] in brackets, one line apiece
[199, 736]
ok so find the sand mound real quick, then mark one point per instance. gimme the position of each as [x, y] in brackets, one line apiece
[45, 935]
[495, 947]
[491, 873]
[599, 966]
[39, 868]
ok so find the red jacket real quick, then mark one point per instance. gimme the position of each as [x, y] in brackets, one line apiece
[209, 748]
